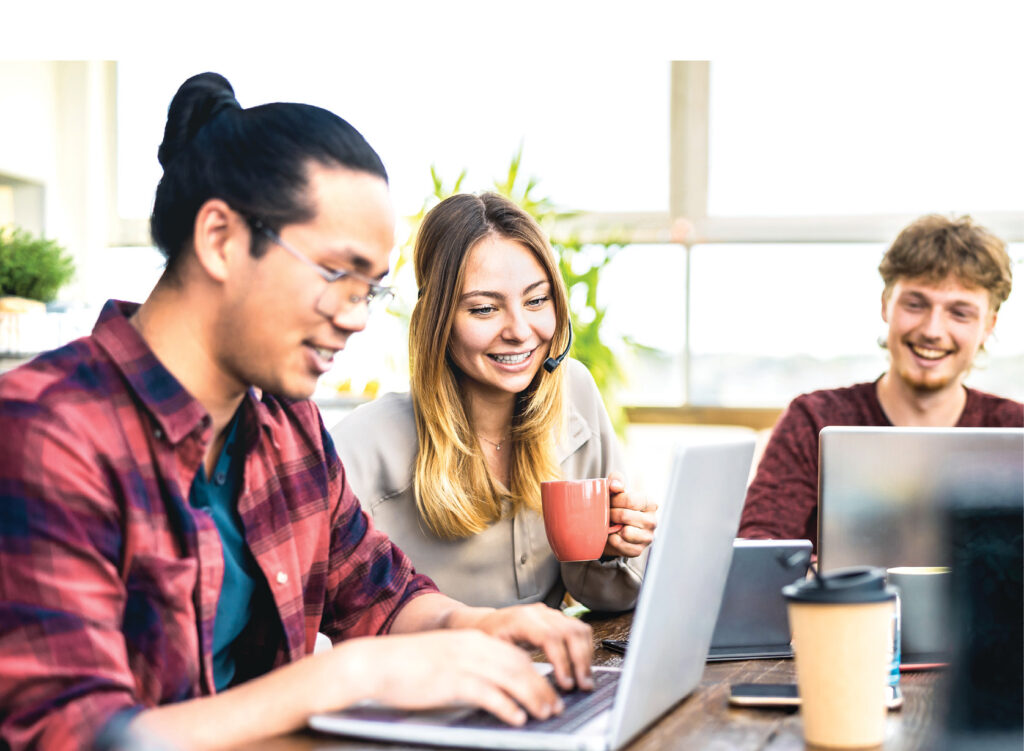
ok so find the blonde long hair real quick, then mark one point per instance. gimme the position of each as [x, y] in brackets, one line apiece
[454, 489]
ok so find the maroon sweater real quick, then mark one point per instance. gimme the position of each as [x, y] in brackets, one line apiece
[782, 501]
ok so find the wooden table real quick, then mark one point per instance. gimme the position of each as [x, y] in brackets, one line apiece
[705, 720]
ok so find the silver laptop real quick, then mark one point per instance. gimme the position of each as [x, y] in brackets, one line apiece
[882, 495]
[752, 622]
[880, 490]
[670, 635]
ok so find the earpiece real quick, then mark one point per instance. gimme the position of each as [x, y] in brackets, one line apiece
[553, 362]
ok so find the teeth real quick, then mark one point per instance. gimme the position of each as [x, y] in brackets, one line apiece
[326, 354]
[511, 359]
[928, 354]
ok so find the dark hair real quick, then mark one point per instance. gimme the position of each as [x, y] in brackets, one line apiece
[933, 247]
[256, 160]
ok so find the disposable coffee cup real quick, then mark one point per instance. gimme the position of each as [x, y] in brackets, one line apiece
[842, 625]
[576, 518]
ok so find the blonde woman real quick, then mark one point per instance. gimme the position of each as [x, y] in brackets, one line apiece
[452, 471]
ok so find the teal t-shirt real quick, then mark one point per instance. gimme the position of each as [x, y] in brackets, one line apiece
[218, 496]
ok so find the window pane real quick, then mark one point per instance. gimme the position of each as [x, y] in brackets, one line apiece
[569, 117]
[1000, 369]
[857, 135]
[643, 290]
[773, 321]
[767, 299]
[129, 273]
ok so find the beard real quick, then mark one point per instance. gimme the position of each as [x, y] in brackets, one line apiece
[925, 381]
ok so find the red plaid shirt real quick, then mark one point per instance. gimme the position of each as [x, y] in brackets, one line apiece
[109, 579]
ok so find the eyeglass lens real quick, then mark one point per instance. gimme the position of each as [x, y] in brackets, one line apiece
[348, 292]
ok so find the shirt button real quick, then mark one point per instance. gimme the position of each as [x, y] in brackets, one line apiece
[158, 433]
[282, 577]
[522, 558]
[220, 478]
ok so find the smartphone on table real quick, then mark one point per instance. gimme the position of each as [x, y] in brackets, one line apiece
[784, 695]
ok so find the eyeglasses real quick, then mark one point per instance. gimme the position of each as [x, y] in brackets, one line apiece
[344, 288]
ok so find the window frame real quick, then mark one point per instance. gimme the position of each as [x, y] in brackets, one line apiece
[687, 222]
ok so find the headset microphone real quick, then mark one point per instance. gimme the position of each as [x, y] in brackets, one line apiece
[553, 362]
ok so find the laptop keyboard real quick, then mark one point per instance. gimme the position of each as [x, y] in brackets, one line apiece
[580, 707]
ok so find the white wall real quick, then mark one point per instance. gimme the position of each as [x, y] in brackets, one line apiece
[28, 101]
[58, 130]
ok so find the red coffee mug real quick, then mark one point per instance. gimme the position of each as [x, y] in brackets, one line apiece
[576, 518]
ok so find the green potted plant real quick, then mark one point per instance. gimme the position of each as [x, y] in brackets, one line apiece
[32, 271]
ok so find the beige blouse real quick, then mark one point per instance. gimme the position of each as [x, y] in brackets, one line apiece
[511, 562]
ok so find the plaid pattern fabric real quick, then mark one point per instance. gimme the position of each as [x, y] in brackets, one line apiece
[109, 579]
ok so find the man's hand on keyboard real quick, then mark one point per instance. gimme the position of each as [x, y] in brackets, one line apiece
[567, 642]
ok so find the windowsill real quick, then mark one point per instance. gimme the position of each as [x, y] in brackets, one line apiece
[758, 418]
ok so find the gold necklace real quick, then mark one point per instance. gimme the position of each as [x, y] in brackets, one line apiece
[497, 446]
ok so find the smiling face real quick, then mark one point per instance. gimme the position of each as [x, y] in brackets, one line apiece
[271, 334]
[935, 330]
[505, 318]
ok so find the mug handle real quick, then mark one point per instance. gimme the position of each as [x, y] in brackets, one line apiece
[612, 528]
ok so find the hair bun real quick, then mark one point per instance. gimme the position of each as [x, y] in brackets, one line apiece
[198, 101]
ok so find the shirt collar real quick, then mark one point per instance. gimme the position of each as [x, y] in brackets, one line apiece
[173, 408]
[256, 419]
[577, 432]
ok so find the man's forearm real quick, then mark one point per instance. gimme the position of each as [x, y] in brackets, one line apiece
[281, 701]
[276, 703]
[433, 611]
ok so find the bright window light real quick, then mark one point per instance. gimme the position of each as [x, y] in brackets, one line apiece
[594, 133]
[860, 135]
[769, 322]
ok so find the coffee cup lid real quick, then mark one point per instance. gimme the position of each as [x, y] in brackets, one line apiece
[846, 585]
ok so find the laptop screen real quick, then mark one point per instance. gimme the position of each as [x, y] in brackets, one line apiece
[881, 490]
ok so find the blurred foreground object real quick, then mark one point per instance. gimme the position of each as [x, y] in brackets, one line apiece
[986, 681]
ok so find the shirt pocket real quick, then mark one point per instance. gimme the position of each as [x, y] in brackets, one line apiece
[159, 626]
